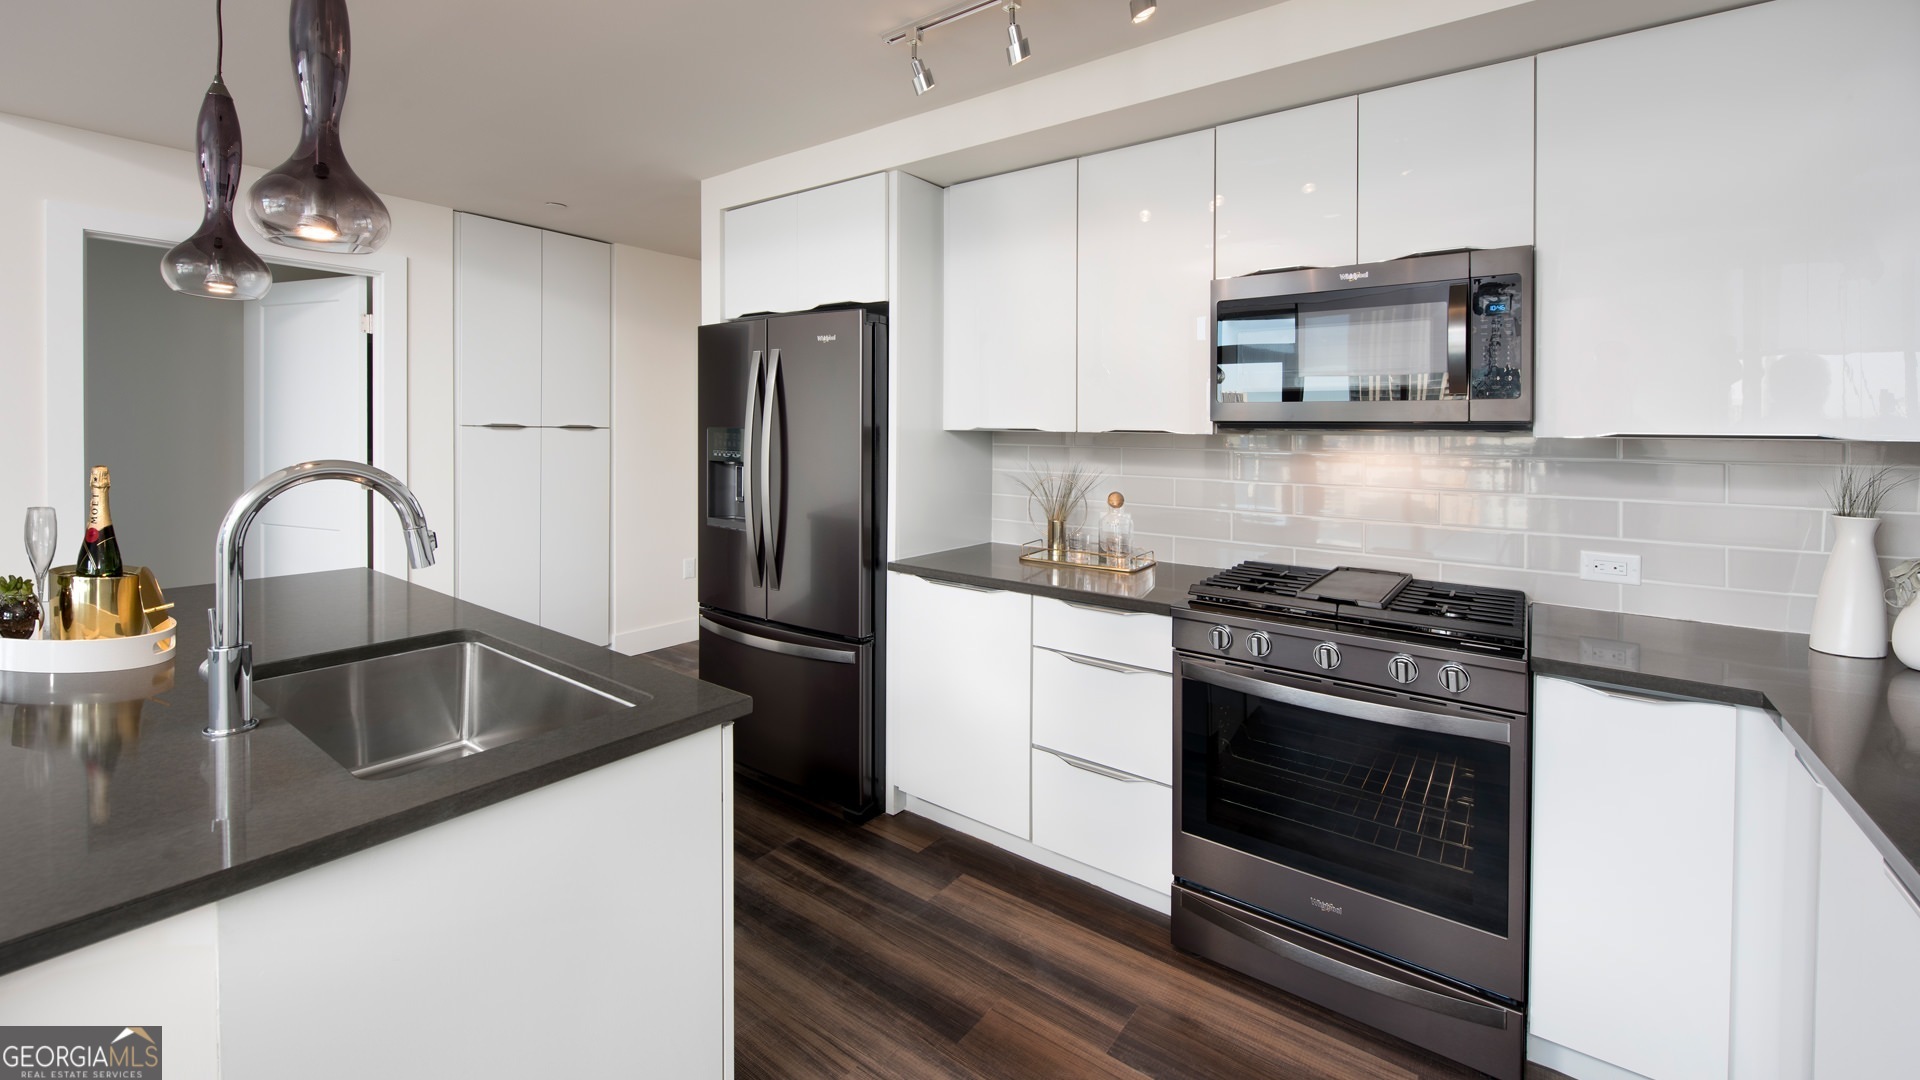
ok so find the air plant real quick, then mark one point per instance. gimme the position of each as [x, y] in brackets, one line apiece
[1861, 492]
[1058, 493]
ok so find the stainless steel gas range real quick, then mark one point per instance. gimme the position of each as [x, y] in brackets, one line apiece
[1351, 798]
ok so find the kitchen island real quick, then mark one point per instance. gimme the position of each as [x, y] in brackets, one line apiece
[559, 900]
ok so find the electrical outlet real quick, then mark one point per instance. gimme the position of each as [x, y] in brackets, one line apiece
[689, 568]
[1603, 652]
[1608, 566]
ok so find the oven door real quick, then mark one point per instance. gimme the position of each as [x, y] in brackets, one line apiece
[1395, 825]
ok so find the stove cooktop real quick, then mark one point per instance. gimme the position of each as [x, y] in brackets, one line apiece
[1363, 600]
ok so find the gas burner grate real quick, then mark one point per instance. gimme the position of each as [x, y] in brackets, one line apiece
[1485, 618]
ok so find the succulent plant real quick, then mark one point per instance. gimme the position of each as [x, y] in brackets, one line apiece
[15, 588]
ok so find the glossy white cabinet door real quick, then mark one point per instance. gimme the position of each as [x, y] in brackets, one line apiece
[1286, 190]
[576, 330]
[1113, 715]
[1448, 163]
[1728, 225]
[1776, 890]
[1869, 949]
[497, 481]
[1122, 825]
[575, 525]
[1136, 638]
[757, 250]
[1012, 245]
[840, 245]
[1146, 279]
[958, 664]
[496, 321]
[1632, 879]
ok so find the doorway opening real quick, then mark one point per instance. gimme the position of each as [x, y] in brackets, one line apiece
[190, 401]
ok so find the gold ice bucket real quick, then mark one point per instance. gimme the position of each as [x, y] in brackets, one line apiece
[91, 608]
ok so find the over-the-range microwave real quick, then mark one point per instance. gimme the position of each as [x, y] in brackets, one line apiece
[1439, 340]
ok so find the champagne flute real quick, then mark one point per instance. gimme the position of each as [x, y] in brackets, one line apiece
[43, 533]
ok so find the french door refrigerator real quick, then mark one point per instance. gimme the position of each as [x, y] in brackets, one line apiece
[792, 427]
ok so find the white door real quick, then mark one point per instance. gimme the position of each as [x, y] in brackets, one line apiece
[306, 389]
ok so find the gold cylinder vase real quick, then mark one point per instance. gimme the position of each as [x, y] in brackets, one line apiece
[92, 608]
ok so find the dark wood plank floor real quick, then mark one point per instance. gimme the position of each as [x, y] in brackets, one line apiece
[901, 948]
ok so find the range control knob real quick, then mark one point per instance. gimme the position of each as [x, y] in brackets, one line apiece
[1403, 669]
[1259, 644]
[1221, 637]
[1455, 678]
[1326, 655]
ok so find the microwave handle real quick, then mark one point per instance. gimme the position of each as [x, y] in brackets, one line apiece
[1457, 295]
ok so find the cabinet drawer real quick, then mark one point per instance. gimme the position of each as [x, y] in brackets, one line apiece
[1119, 718]
[1136, 638]
[1122, 826]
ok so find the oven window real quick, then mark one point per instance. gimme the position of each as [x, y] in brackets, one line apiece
[1415, 817]
[1382, 345]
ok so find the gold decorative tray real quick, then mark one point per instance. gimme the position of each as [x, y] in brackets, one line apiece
[1035, 551]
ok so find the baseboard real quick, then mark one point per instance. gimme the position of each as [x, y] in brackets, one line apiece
[1122, 887]
[1574, 1063]
[649, 638]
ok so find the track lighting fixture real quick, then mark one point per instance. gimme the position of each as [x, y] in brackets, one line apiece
[1142, 9]
[922, 77]
[1018, 48]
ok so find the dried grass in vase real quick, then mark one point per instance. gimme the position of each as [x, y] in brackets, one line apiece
[1058, 494]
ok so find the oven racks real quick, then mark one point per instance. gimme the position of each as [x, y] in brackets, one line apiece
[1418, 805]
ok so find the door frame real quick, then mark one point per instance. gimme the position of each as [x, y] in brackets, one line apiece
[69, 226]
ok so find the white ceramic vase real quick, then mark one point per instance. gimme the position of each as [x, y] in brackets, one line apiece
[1850, 614]
[1906, 635]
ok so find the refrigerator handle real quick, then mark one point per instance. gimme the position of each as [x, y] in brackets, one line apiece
[768, 406]
[753, 417]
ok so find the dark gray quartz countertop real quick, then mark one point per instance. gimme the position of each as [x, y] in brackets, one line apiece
[1855, 723]
[115, 811]
[997, 566]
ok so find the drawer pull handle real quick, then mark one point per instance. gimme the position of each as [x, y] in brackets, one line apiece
[1101, 609]
[1098, 770]
[1102, 664]
[960, 585]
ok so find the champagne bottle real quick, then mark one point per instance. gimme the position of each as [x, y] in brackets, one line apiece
[99, 549]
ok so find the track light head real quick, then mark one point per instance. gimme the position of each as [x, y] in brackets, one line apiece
[922, 75]
[1018, 47]
[1142, 9]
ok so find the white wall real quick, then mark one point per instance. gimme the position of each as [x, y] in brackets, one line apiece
[656, 314]
[49, 163]
[163, 412]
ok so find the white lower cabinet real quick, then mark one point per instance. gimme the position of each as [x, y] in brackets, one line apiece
[1869, 949]
[1105, 712]
[957, 705]
[1104, 818]
[1632, 879]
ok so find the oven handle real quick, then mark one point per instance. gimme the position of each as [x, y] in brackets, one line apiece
[1441, 723]
[1459, 1008]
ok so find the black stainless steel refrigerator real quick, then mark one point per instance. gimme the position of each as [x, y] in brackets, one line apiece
[792, 421]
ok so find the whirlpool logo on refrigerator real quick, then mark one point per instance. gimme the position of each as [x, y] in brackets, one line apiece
[38, 1053]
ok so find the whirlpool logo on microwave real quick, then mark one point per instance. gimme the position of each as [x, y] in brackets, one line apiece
[123, 1053]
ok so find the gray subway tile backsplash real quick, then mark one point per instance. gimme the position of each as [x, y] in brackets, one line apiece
[1728, 530]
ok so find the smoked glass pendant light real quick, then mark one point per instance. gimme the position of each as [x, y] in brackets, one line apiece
[214, 262]
[314, 200]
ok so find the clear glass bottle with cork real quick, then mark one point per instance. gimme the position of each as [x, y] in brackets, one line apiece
[1116, 532]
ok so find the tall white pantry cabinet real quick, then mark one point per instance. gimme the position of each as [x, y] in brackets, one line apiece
[533, 334]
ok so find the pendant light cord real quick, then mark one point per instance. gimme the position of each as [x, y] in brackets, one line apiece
[219, 39]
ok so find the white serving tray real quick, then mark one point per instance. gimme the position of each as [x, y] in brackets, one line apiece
[74, 657]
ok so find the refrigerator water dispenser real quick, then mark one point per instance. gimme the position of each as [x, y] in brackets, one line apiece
[726, 479]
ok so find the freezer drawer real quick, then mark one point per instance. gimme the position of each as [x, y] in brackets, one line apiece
[811, 729]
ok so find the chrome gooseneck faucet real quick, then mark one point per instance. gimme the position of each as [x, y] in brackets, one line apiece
[229, 667]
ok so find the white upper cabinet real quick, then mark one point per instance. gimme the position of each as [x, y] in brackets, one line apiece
[1448, 163]
[496, 321]
[841, 243]
[758, 268]
[1728, 224]
[1146, 273]
[824, 246]
[1286, 190]
[576, 331]
[1011, 284]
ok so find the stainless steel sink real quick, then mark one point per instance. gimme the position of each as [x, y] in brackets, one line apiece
[426, 702]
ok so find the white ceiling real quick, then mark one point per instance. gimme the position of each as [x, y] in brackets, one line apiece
[617, 108]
